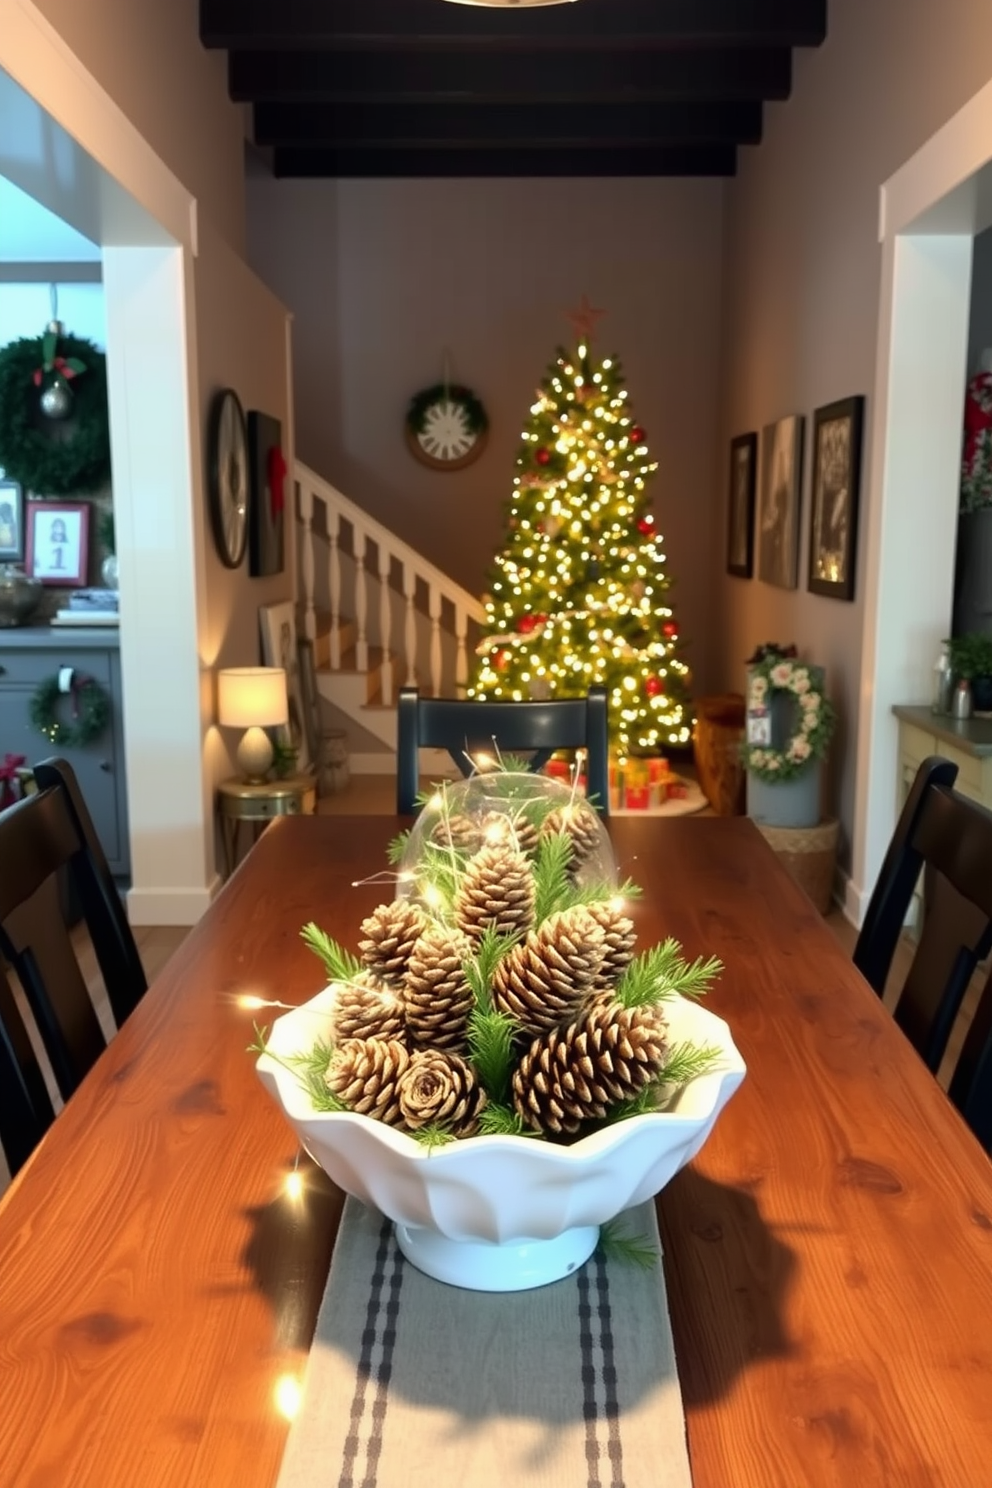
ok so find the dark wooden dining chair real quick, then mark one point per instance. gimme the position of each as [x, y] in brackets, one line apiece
[48, 840]
[948, 838]
[463, 727]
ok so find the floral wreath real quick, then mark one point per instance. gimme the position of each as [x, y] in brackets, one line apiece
[777, 673]
[90, 711]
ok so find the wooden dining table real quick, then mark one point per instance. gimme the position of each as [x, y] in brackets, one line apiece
[828, 1256]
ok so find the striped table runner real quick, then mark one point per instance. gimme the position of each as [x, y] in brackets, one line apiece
[413, 1384]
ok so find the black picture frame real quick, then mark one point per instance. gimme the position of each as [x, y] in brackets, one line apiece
[780, 503]
[266, 507]
[835, 482]
[12, 528]
[740, 505]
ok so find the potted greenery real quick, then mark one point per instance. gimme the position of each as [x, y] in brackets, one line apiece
[971, 658]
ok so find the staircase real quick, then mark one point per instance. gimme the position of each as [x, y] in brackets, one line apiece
[380, 616]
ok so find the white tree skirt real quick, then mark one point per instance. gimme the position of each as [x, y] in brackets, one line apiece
[692, 801]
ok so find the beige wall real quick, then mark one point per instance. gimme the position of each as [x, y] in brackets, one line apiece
[147, 55]
[241, 343]
[802, 283]
[383, 276]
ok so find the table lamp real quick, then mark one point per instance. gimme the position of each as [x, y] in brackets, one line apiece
[252, 698]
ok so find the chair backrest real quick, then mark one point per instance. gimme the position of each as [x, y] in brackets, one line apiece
[46, 840]
[462, 727]
[948, 838]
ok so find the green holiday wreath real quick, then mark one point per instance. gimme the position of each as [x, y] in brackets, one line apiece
[815, 723]
[50, 458]
[90, 710]
[476, 419]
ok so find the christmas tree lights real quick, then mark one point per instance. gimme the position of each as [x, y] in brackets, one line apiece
[579, 592]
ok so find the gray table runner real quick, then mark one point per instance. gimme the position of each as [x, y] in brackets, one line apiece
[413, 1384]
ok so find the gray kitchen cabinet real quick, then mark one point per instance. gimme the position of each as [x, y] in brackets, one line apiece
[28, 656]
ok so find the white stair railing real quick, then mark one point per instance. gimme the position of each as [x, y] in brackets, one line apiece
[418, 608]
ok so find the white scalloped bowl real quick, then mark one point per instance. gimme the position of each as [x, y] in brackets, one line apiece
[502, 1213]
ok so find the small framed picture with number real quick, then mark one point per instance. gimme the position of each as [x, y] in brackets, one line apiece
[58, 542]
[759, 726]
[11, 522]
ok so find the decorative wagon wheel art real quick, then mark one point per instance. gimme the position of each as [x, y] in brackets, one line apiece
[446, 427]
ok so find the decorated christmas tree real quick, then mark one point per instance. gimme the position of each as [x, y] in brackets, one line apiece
[579, 593]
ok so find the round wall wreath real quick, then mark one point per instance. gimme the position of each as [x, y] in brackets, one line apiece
[816, 719]
[50, 458]
[90, 711]
[446, 426]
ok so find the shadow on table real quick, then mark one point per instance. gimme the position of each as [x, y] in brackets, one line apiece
[727, 1276]
[289, 1253]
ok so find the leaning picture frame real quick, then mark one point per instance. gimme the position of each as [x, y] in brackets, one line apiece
[11, 521]
[277, 626]
[740, 515]
[57, 542]
[311, 697]
[835, 481]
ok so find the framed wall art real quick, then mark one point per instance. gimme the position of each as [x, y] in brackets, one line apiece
[58, 541]
[833, 528]
[740, 524]
[266, 495]
[277, 623]
[311, 697]
[11, 522]
[778, 515]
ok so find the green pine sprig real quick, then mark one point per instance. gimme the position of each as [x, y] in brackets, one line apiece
[398, 846]
[687, 1061]
[615, 1244]
[662, 972]
[340, 965]
[490, 1049]
[553, 888]
[480, 968]
[433, 1136]
[498, 1120]
[309, 1068]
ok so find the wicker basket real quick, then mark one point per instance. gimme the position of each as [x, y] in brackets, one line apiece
[716, 742]
[808, 855]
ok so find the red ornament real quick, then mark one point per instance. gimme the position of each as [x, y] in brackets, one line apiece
[646, 525]
[528, 623]
[500, 660]
[670, 629]
[652, 686]
[543, 456]
[637, 435]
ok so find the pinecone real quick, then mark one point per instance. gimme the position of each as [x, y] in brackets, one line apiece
[436, 995]
[443, 1090]
[510, 829]
[366, 1009]
[578, 821]
[497, 890]
[365, 1074]
[619, 940]
[390, 932]
[575, 1074]
[458, 831]
[542, 980]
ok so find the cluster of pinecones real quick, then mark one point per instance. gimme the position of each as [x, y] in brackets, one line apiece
[401, 1028]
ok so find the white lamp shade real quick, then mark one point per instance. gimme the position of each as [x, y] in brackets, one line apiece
[251, 696]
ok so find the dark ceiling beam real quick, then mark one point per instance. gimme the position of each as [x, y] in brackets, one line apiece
[509, 77]
[715, 160]
[409, 25]
[524, 126]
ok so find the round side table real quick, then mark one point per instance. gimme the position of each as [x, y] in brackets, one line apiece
[239, 802]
